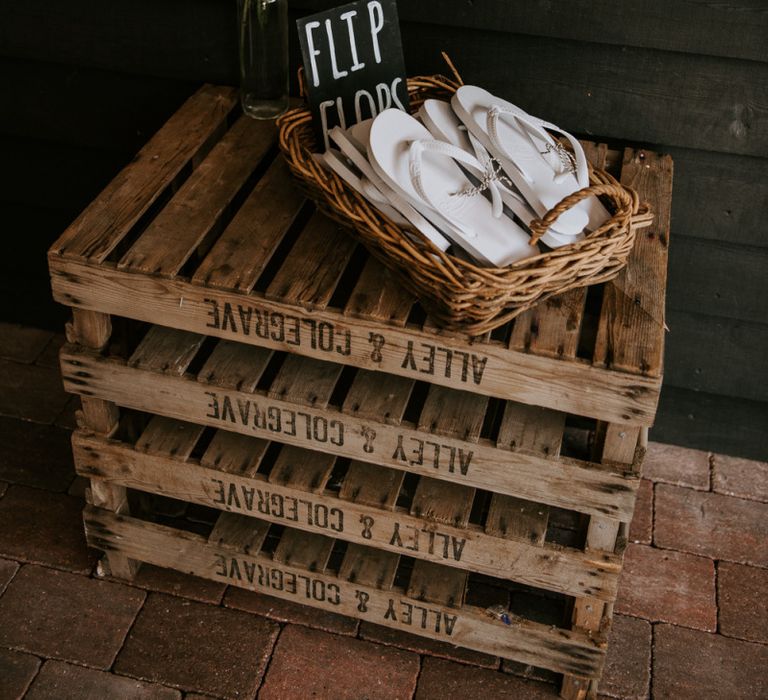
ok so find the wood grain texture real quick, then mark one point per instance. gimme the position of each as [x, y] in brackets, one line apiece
[240, 254]
[165, 436]
[630, 334]
[235, 366]
[166, 350]
[529, 642]
[96, 232]
[176, 232]
[566, 482]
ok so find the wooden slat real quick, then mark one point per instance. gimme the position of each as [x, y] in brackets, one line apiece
[302, 469]
[313, 267]
[166, 350]
[550, 567]
[537, 431]
[241, 253]
[561, 650]
[305, 381]
[304, 549]
[93, 330]
[239, 533]
[631, 331]
[490, 369]
[166, 436]
[234, 454]
[235, 366]
[96, 232]
[565, 482]
[369, 567]
[378, 295]
[170, 240]
[458, 414]
[434, 583]
[556, 319]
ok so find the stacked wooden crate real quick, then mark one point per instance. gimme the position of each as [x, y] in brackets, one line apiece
[277, 413]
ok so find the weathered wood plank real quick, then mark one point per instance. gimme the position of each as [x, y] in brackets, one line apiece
[240, 254]
[379, 296]
[165, 436]
[529, 642]
[549, 567]
[232, 453]
[566, 482]
[235, 366]
[105, 222]
[314, 265]
[238, 533]
[490, 369]
[174, 235]
[166, 350]
[630, 332]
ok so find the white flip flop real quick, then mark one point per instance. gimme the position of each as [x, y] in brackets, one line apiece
[334, 160]
[424, 170]
[541, 168]
[373, 186]
[441, 120]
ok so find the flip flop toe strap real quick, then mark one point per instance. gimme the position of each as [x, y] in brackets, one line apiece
[488, 178]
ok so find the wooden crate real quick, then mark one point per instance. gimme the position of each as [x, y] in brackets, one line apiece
[274, 357]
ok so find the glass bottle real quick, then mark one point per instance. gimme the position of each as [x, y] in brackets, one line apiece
[263, 32]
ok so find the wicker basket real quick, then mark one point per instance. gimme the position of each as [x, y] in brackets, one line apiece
[458, 294]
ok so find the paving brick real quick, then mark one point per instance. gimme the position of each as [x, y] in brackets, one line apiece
[424, 645]
[712, 525]
[681, 466]
[65, 616]
[627, 673]
[31, 392]
[49, 357]
[16, 673]
[41, 527]
[664, 586]
[155, 578]
[35, 455]
[197, 647]
[743, 601]
[8, 570]
[691, 665]
[745, 478]
[311, 663]
[288, 611]
[22, 343]
[641, 528]
[61, 681]
[444, 679]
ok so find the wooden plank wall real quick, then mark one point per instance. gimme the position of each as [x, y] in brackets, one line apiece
[83, 84]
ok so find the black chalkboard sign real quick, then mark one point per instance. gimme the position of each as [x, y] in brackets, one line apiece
[353, 63]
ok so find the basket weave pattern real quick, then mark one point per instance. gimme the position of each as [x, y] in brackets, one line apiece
[458, 294]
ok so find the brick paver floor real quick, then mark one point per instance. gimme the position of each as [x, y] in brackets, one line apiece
[690, 621]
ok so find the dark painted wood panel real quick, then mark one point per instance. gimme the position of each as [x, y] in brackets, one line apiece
[711, 422]
[718, 279]
[667, 98]
[717, 355]
[83, 106]
[737, 28]
[49, 175]
[720, 197]
[25, 287]
[663, 97]
[183, 39]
